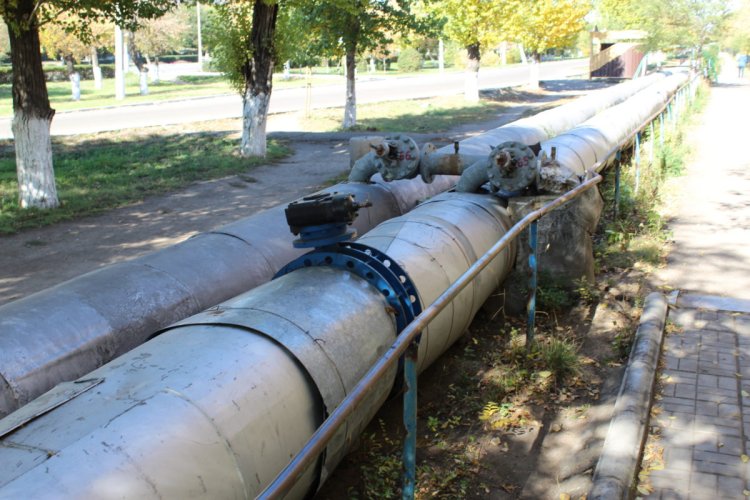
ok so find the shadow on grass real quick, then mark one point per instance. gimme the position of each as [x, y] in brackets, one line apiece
[104, 173]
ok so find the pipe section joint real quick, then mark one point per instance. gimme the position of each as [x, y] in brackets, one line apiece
[373, 266]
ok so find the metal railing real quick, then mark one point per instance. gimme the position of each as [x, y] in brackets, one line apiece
[406, 344]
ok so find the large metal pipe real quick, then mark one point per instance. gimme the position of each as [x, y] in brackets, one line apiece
[66, 331]
[531, 130]
[565, 158]
[215, 406]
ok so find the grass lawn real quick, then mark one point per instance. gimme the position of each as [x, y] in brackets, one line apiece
[105, 171]
[186, 86]
[436, 114]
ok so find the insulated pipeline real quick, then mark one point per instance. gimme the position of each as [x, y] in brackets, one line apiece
[583, 146]
[215, 406]
[533, 129]
[66, 331]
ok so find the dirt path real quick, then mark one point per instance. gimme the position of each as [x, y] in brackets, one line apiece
[37, 259]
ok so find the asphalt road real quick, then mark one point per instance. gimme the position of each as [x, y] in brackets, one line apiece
[293, 99]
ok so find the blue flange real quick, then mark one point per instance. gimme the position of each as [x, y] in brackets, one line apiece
[373, 266]
[323, 235]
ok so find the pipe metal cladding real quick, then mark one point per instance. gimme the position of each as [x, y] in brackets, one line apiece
[564, 159]
[219, 403]
[529, 131]
[66, 331]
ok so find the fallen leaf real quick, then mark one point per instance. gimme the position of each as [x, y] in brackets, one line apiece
[746, 394]
[744, 458]
[544, 374]
[564, 496]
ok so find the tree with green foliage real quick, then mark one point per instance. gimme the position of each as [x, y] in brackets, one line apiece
[32, 113]
[57, 41]
[547, 24]
[737, 36]
[246, 51]
[350, 28]
[670, 24]
[476, 25]
[164, 34]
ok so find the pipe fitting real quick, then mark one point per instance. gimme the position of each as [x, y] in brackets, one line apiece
[510, 168]
[396, 157]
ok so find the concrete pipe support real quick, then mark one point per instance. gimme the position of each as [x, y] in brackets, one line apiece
[216, 406]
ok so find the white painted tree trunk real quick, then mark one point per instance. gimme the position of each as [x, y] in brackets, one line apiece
[471, 80]
[96, 69]
[504, 53]
[522, 53]
[471, 85]
[36, 176]
[350, 109]
[254, 117]
[535, 61]
[75, 85]
[144, 82]
[119, 64]
[534, 75]
[441, 55]
[98, 83]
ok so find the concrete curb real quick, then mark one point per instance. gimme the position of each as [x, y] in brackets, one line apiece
[618, 463]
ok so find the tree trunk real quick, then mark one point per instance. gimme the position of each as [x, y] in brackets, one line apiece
[69, 65]
[32, 114]
[350, 109]
[254, 119]
[534, 70]
[96, 69]
[75, 84]
[120, 64]
[471, 86]
[143, 81]
[258, 75]
[441, 55]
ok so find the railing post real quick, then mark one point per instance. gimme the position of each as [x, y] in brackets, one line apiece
[637, 161]
[410, 422]
[661, 133]
[531, 305]
[653, 143]
[618, 157]
[670, 116]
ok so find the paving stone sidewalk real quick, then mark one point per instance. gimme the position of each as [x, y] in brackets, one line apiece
[703, 412]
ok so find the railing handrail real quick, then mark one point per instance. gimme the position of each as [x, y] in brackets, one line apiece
[319, 440]
[288, 477]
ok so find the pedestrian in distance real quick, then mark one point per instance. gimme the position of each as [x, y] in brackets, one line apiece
[741, 63]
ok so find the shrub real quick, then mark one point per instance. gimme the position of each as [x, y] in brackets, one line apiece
[409, 60]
